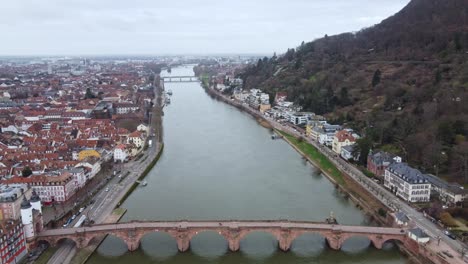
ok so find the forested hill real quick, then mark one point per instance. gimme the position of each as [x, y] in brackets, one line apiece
[402, 83]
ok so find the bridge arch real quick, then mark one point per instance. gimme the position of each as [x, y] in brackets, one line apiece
[308, 242]
[379, 241]
[263, 241]
[159, 244]
[209, 243]
[361, 242]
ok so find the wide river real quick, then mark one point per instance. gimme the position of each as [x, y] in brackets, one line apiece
[219, 163]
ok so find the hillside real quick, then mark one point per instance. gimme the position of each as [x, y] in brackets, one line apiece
[402, 83]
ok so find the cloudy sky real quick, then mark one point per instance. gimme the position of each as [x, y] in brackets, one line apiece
[93, 27]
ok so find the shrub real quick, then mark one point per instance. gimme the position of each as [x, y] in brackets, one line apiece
[447, 219]
[382, 212]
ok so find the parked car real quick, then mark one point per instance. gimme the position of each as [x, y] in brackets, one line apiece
[452, 236]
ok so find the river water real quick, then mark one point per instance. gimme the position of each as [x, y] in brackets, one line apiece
[219, 163]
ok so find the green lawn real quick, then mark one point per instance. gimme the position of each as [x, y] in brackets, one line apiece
[119, 211]
[324, 163]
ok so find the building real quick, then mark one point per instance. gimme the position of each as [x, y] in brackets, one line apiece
[16, 232]
[88, 153]
[12, 241]
[136, 138]
[11, 196]
[342, 138]
[50, 187]
[125, 108]
[401, 219]
[91, 165]
[264, 107]
[379, 161]
[280, 97]
[298, 119]
[79, 176]
[326, 134]
[418, 235]
[408, 183]
[120, 153]
[347, 153]
[31, 216]
[143, 128]
[449, 193]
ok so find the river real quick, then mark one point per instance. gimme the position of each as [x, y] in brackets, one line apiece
[219, 163]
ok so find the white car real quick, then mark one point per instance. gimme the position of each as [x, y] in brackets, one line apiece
[107, 189]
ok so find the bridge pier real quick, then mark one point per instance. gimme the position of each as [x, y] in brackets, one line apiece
[133, 245]
[334, 242]
[183, 240]
[183, 244]
[377, 244]
[285, 240]
[234, 245]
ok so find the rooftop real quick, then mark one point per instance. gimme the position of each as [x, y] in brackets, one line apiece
[11, 192]
[407, 173]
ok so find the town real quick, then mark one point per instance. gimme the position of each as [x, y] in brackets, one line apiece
[67, 127]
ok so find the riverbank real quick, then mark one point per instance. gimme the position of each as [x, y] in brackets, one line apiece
[142, 176]
[360, 196]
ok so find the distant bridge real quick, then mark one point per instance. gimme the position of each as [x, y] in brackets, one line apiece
[180, 79]
[233, 231]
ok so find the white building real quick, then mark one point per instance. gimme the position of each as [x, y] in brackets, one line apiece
[401, 219]
[347, 153]
[418, 235]
[79, 176]
[125, 108]
[136, 138]
[450, 193]
[298, 119]
[92, 164]
[27, 218]
[408, 183]
[120, 153]
[143, 128]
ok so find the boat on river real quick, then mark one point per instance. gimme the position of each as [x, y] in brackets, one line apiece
[142, 183]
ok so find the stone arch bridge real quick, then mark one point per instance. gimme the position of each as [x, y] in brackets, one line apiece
[233, 231]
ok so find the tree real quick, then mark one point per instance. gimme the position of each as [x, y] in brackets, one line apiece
[344, 97]
[26, 172]
[446, 133]
[376, 78]
[459, 161]
[361, 150]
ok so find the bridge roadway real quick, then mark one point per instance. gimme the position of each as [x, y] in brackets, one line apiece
[234, 231]
[180, 78]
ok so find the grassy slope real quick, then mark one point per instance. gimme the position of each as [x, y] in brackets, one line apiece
[314, 154]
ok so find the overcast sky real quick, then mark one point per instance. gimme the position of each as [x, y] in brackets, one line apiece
[93, 27]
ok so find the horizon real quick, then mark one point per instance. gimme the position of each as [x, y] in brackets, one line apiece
[145, 28]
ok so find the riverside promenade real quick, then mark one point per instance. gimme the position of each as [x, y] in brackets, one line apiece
[434, 252]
